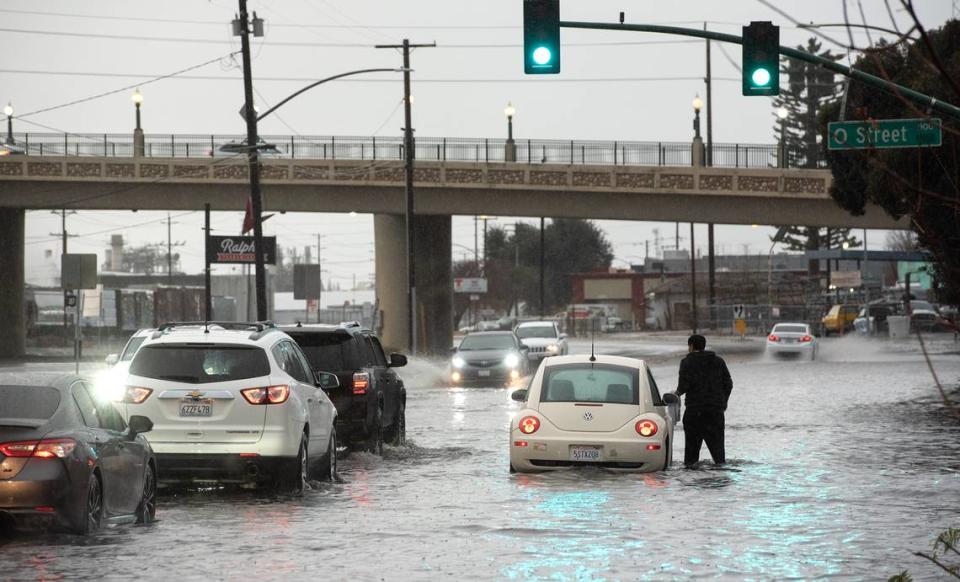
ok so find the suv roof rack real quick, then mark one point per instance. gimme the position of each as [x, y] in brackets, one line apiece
[259, 328]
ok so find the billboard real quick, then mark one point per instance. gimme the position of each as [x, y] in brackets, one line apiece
[239, 250]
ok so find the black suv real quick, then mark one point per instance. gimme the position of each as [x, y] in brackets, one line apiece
[371, 399]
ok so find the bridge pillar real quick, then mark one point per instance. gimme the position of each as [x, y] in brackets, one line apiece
[12, 283]
[434, 282]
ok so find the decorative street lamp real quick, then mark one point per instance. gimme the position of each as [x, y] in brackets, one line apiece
[698, 151]
[8, 111]
[510, 151]
[782, 113]
[138, 141]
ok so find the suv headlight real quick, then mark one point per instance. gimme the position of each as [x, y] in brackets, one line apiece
[458, 362]
[553, 348]
[512, 360]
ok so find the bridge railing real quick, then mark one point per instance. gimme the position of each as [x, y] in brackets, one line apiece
[528, 151]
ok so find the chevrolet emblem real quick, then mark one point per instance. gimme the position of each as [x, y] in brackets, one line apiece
[196, 394]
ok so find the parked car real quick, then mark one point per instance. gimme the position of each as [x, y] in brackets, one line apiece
[68, 460]
[489, 357]
[371, 399]
[839, 319]
[233, 403]
[543, 338]
[603, 411]
[872, 318]
[792, 338]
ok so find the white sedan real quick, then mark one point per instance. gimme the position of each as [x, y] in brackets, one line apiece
[792, 338]
[602, 411]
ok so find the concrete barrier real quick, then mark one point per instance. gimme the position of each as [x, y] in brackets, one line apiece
[899, 326]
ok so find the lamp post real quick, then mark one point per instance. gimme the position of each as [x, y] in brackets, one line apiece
[697, 153]
[782, 146]
[138, 142]
[510, 150]
[8, 111]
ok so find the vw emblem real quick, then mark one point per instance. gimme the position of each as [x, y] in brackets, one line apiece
[588, 415]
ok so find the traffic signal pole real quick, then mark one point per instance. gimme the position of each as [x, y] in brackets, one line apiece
[866, 78]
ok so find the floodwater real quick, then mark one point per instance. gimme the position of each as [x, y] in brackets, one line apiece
[840, 468]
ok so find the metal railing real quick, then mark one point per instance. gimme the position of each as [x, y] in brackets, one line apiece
[483, 150]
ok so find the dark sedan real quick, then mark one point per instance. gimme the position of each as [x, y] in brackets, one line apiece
[489, 357]
[67, 459]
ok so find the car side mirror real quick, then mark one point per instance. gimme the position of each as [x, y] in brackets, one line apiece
[112, 359]
[562, 336]
[519, 395]
[326, 380]
[670, 398]
[138, 425]
[398, 360]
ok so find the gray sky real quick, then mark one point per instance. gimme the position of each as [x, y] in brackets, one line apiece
[636, 91]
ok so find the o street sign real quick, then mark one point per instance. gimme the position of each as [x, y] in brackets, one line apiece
[884, 134]
[469, 285]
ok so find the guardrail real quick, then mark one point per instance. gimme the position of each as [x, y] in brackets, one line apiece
[482, 150]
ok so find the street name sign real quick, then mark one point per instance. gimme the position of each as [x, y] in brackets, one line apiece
[471, 285]
[884, 134]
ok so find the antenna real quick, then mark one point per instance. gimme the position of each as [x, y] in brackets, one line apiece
[593, 341]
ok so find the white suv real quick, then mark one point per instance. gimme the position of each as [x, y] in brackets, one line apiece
[543, 338]
[234, 403]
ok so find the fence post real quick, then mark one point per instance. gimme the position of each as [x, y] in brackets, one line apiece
[104, 145]
[486, 150]
[333, 147]
[293, 145]
[614, 153]
[374, 148]
[41, 148]
[213, 148]
[444, 149]
[173, 146]
[583, 154]
[571, 152]
[746, 157]
[659, 153]
[66, 145]
[187, 146]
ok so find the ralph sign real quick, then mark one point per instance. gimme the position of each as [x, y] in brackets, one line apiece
[240, 249]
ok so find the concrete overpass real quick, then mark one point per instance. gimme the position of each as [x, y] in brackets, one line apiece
[601, 180]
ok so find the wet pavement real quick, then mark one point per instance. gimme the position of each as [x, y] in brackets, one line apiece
[840, 467]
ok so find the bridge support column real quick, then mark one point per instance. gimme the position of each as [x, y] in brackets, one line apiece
[434, 282]
[12, 282]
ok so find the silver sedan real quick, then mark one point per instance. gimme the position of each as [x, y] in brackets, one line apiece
[792, 338]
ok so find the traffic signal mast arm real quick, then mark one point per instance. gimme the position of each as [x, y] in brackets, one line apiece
[872, 80]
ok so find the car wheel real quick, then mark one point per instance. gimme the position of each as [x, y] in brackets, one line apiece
[397, 435]
[296, 478]
[147, 510]
[93, 510]
[375, 442]
[512, 470]
[329, 470]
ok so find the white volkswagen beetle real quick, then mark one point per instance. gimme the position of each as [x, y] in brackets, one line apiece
[585, 410]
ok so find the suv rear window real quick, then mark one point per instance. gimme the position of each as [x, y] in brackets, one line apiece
[591, 383]
[200, 364]
[29, 402]
[333, 352]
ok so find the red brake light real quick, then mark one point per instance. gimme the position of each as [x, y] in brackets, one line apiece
[361, 381]
[646, 428]
[529, 424]
[136, 394]
[45, 449]
[266, 395]
[773, 338]
[806, 338]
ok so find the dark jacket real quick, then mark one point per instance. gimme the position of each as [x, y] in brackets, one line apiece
[705, 380]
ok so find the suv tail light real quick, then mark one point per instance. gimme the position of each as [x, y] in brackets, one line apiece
[43, 449]
[361, 381]
[267, 394]
[136, 394]
[529, 424]
[773, 338]
[646, 428]
[806, 339]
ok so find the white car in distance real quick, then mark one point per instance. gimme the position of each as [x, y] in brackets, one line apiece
[233, 403]
[584, 410]
[792, 338]
[543, 338]
[109, 384]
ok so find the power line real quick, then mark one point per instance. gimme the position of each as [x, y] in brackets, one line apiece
[114, 229]
[538, 79]
[301, 44]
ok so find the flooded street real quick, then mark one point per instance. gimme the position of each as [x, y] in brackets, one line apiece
[839, 468]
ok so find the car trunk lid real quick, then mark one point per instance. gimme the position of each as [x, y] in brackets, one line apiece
[588, 416]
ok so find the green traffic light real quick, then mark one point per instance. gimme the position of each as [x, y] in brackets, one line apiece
[542, 55]
[760, 77]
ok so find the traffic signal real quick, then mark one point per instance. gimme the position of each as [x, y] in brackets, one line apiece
[761, 59]
[541, 37]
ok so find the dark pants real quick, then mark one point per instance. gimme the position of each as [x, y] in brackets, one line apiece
[703, 425]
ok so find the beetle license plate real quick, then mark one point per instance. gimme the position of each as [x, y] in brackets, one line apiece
[194, 408]
[585, 454]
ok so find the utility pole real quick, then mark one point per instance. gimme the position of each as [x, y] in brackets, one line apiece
[169, 249]
[693, 282]
[711, 256]
[64, 236]
[542, 268]
[208, 298]
[408, 146]
[320, 274]
[242, 27]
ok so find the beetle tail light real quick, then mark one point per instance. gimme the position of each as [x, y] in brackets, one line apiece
[529, 424]
[361, 381]
[646, 428]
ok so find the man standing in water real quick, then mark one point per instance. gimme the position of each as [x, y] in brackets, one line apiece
[705, 380]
